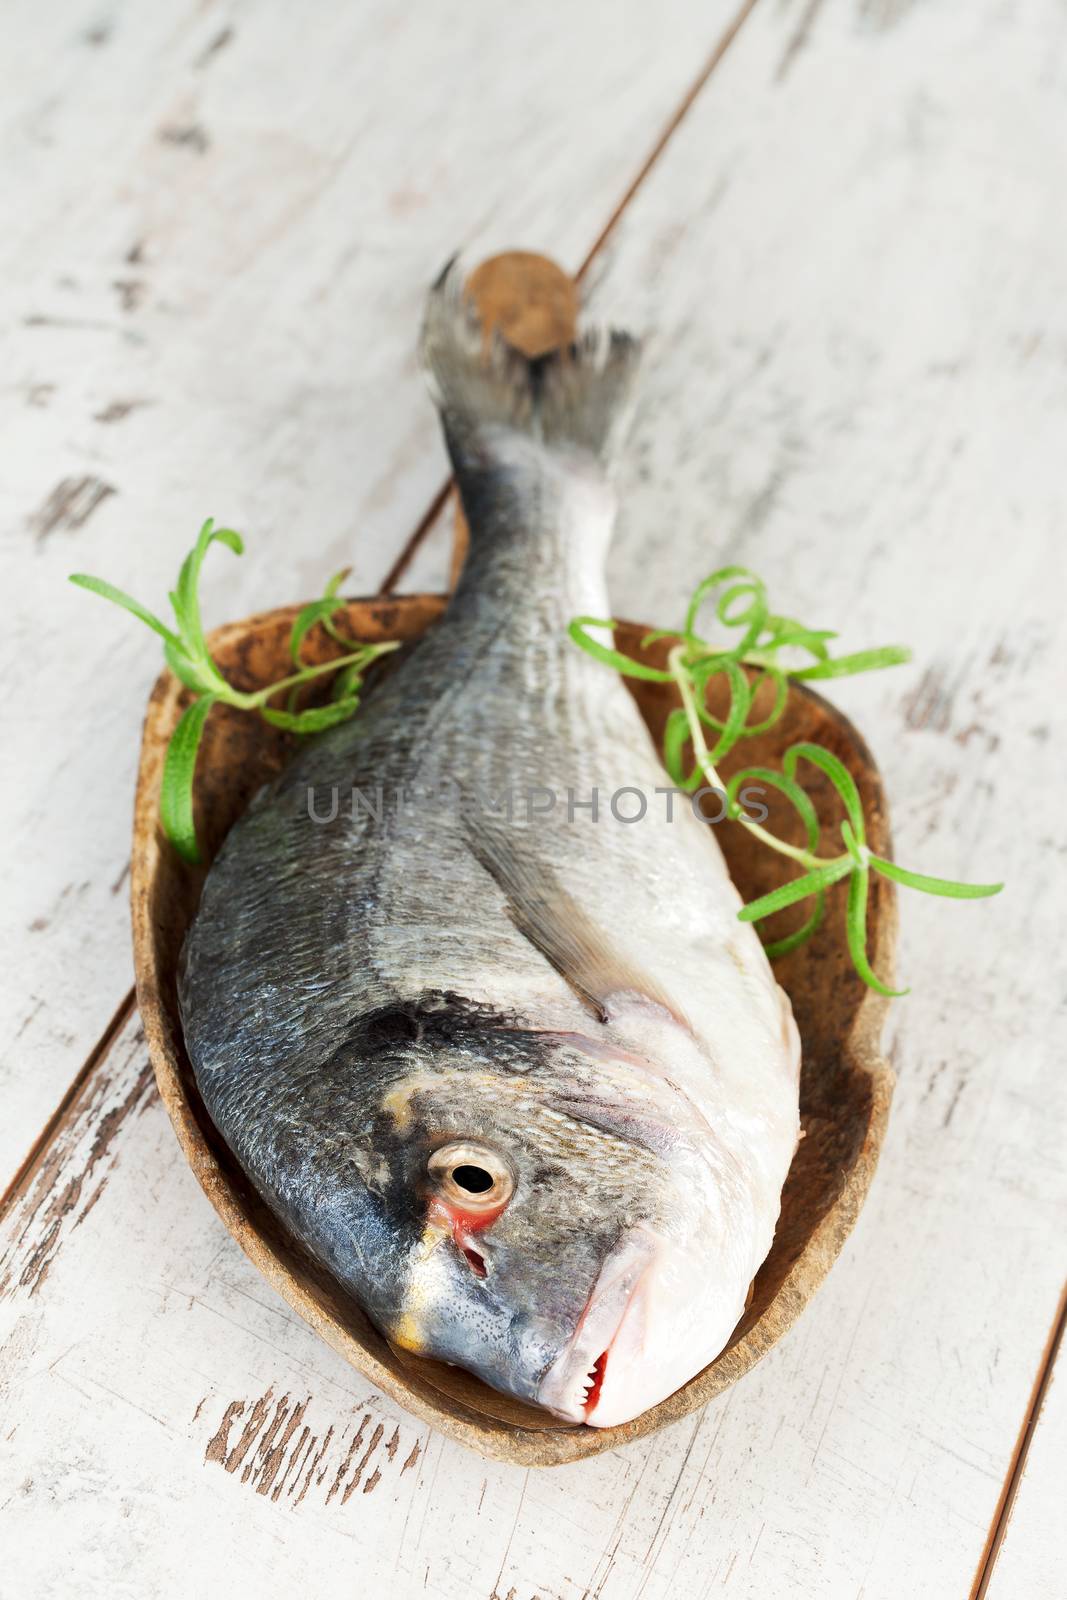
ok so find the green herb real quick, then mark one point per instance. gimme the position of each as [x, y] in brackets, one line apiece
[187, 655]
[763, 637]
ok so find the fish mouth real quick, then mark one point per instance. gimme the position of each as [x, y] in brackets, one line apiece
[571, 1387]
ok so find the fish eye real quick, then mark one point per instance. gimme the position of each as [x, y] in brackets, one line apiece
[471, 1175]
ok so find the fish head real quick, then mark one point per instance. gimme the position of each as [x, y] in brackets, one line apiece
[553, 1239]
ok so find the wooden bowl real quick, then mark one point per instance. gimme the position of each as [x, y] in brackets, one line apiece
[845, 1084]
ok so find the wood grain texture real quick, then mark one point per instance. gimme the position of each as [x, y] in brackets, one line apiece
[211, 275]
[854, 261]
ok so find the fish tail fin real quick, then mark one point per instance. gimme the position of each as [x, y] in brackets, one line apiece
[588, 392]
[578, 399]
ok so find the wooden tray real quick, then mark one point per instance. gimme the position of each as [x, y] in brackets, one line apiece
[845, 1084]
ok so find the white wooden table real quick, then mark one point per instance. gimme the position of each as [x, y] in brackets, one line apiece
[845, 221]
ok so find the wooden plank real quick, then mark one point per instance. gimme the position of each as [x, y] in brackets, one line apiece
[846, 251]
[856, 294]
[217, 232]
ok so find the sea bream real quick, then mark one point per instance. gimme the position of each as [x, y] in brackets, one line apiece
[508, 1066]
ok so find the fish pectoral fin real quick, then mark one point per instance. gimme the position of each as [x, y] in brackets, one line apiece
[584, 955]
[646, 1128]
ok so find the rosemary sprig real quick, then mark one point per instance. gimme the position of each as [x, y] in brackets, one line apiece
[691, 664]
[762, 638]
[187, 655]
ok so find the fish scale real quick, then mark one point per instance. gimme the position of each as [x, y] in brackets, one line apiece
[522, 1084]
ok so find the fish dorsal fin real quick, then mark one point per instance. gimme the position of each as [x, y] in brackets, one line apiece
[602, 977]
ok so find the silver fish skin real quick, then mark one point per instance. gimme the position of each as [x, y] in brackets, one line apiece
[523, 1085]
